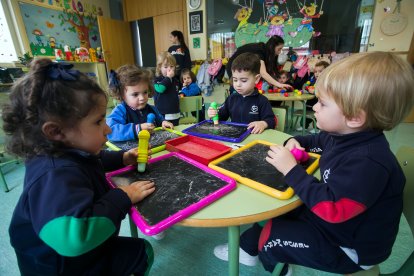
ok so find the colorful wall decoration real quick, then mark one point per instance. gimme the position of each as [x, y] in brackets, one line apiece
[295, 28]
[71, 23]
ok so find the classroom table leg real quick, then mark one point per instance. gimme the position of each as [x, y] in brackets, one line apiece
[133, 228]
[234, 243]
[303, 117]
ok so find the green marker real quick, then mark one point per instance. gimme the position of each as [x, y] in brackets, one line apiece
[216, 117]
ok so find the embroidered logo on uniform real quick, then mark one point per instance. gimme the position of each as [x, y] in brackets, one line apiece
[281, 243]
[326, 174]
[254, 109]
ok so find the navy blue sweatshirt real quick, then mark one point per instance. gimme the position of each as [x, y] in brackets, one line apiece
[358, 202]
[166, 97]
[247, 109]
[66, 210]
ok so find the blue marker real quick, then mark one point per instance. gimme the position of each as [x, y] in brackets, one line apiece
[151, 118]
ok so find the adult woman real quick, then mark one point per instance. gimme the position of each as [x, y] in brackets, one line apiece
[180, 51]
[268, 58]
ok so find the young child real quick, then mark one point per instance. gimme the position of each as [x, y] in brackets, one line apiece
[319, 67]
[67, 219]
[132, 86]
[284, 77]
[190, 87]
[166, 87]
[350, 218]
[247, 105]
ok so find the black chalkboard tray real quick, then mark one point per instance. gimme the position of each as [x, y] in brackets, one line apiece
[224, 131]
[248, 166]
[183, 186]
[157, 140]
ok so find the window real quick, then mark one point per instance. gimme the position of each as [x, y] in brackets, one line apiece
[7, 50]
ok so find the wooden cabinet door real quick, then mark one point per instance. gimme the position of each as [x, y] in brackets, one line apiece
[116, 42]
[164, 25]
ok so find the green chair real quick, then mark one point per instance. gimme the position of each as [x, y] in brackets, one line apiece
[298, 114]
[280, 114]
[405, 157]
[4, 163]
[188, 105]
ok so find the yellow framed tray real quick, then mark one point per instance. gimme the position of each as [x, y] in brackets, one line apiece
[157, 140]
[247, 165]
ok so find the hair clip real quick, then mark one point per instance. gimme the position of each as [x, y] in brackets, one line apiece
[62, 71]
[113, 80]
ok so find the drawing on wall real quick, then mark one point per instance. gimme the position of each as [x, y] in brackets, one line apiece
[50, 29]
[294, 27]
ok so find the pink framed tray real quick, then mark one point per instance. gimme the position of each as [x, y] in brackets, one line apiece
[183, 187]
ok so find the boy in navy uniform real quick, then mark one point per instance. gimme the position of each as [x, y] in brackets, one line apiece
[246, 106]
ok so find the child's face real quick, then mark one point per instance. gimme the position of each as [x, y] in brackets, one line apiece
[90, 133]
[136, 96]
[187, 80]
[166, 69]
[318, 70]
[283, 78]
[244, 82]
[329, 116]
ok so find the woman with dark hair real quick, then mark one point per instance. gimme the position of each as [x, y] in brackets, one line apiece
[180, 51]
[268, 53]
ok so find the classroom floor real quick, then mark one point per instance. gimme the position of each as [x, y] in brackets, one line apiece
[189, 251]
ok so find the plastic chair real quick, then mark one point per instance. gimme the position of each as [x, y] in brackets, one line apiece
[280, 114]
[188, 105]
[405, 157]
[298, 114]
[2, 177]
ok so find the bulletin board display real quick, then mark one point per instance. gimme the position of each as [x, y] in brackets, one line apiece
[224, 131]
[248, 166]
[156, 142]
[49, 26]
[183, 187]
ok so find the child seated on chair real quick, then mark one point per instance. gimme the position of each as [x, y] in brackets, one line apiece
[310, 88]
[349, 218]
[132, 86]
[67, 219]
[190, 88]
[246, 106]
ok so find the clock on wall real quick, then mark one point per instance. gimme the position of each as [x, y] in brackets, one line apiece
[194, 4]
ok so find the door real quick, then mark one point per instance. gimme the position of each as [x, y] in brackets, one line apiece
[164, 25]
[116, 42]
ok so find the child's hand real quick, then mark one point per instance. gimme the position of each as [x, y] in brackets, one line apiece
[138, 190]
[257, 127]
[130, 157]
[293, 143]
[281, 158]
[211, 112]
[167, 124]
[147, 126]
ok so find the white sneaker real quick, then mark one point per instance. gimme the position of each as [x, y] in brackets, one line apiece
[159, 236]
[313, 131]
[299, 128]
[222, 252]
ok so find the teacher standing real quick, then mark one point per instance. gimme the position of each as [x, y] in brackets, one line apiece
[180, 51]
[268, 53]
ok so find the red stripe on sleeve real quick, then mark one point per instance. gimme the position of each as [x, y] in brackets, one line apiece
[340, 211]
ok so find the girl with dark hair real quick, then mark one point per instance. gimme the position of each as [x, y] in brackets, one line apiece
[180, 51]
[268, 54]
[67, 219]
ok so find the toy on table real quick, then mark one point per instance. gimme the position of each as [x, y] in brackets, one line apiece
[216, 117]
[92, 54]
[83, 54]
[99, 54]
[143, 138]
[300, 155]
[58, 54]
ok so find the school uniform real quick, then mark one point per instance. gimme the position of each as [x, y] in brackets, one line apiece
[125, 121]
[166, 98]
[350, 218]
[67, 219]
[247, 109]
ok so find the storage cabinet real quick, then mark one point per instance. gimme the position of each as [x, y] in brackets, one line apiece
[95, 70]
